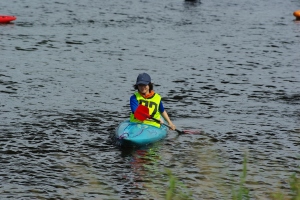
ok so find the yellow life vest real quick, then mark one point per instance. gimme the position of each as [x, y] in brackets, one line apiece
[153, 104]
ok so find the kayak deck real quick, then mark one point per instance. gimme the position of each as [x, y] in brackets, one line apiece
[129, 133]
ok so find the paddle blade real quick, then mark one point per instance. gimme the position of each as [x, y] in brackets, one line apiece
[142, 113]
[192, 131]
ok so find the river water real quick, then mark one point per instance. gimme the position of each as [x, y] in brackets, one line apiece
[227, 68]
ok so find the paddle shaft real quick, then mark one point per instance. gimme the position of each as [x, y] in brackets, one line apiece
[178, 131]
[142, 113]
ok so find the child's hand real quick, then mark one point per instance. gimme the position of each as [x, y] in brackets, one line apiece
[172, 126]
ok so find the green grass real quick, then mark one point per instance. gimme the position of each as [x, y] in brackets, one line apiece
[242, 192]
[178, 191]
[294, 183]
[213, 182]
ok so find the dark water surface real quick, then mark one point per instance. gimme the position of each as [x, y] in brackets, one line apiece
[229, 68]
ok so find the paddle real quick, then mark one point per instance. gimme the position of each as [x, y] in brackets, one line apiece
[142, 113]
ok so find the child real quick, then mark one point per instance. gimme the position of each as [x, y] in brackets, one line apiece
[146, 96]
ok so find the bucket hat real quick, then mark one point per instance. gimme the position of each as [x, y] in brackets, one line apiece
[143, 79]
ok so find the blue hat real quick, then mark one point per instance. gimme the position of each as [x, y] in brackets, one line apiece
[143, 79]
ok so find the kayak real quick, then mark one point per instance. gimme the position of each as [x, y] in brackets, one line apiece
[138, 134]
[7, 18]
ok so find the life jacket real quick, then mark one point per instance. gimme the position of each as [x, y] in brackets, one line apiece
[153, 104]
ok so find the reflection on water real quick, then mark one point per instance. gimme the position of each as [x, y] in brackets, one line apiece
[229, 69]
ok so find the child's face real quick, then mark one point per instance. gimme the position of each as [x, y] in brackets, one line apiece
[144, 89]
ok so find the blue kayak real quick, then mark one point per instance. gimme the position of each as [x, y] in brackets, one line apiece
[137, 134]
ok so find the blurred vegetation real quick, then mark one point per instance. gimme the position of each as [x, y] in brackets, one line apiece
[178, 191]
